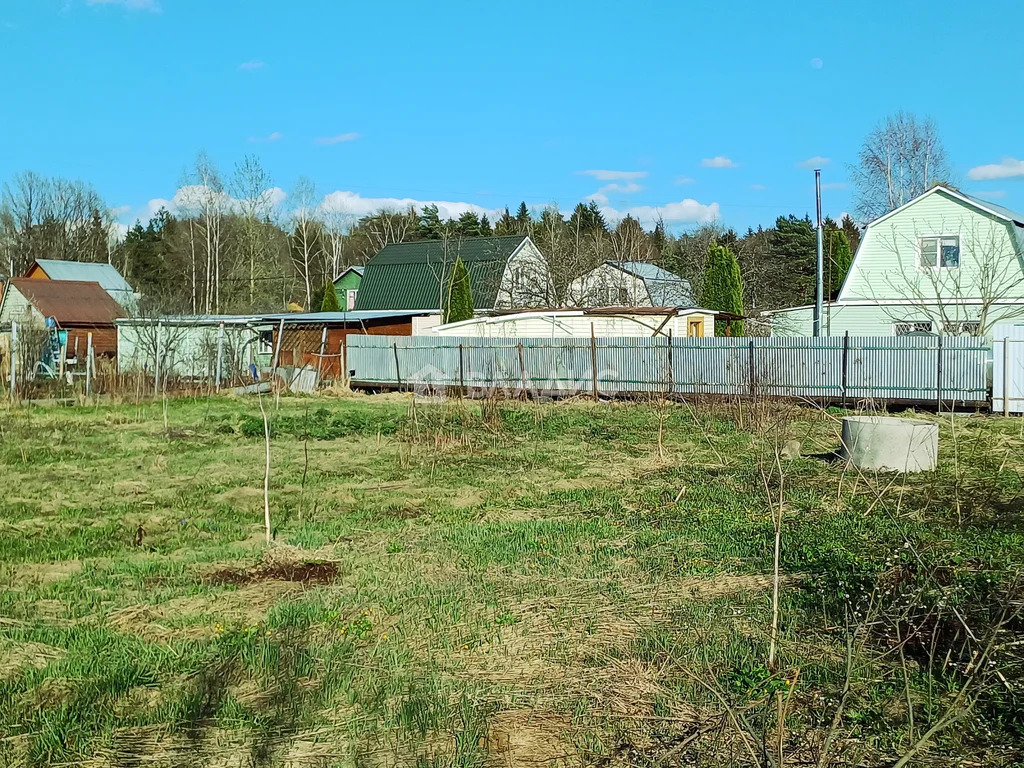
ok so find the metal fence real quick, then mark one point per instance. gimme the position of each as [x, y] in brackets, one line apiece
[1008, 368]
[901, 368]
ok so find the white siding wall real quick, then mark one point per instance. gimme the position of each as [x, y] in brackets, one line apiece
[886, 266]
[879, 320]
[187, 350]
[526, 281]
[17, 307]
[607, 286]
[549, 325]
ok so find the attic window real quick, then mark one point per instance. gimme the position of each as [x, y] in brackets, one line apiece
[940, 251]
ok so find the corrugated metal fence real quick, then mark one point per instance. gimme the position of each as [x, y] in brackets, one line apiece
[903, 368]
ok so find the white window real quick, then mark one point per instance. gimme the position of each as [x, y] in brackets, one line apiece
[940, 251]
[350, 299]
[266, 345]
[966, 328]
[911, 327]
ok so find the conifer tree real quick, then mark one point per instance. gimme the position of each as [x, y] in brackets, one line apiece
[330, 302]
[723, 289]
[460, 295]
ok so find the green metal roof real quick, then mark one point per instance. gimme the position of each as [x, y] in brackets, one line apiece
[411, 275]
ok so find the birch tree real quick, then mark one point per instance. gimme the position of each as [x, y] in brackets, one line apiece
[901, 158]
[253, 190]
[306, 246]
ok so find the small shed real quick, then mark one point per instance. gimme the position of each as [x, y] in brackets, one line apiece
[630, 283]
[308, 335]
[346, 287]
[189, 345]
[106, 275]
[581, 323]
[77, 309]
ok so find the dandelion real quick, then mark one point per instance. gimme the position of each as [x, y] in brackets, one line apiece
[384, 636]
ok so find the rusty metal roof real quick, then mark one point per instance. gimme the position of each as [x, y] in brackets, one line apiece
[70, 302]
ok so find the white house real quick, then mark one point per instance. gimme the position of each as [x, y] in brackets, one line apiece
[581, 323]
[630, 284]
[944, 263]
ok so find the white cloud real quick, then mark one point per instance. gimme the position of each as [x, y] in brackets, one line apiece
[275, 136]
[817, 63]
[341, 137]
[153, 6]
[834, 185]
[682, 212]
[355, 205]
[614, 175]
[683, 180]
[719, 161]
[758, 187]
[1007, 169]
[251, 66]
[120, 211]
[814, 162]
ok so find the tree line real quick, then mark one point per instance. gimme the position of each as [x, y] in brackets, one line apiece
[230, 245]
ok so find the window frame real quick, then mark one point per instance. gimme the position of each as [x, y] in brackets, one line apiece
[896, 324]
[938, 251]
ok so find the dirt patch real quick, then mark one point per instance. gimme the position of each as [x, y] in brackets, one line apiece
[527, 738]
[46, 573]
[16, 657]
[468, 497]
[303, 573]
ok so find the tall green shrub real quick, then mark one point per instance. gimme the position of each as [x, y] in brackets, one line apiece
[330, 302]
[840, 259]
[460, 295]
[723, 289]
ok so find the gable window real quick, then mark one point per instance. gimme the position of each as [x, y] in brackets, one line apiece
[940, 251]
[911, 327]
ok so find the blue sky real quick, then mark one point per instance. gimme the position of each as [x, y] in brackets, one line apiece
[692, 109]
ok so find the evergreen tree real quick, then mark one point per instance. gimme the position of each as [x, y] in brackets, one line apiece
[485, 226]
[794, 249]
[851, 231]
[330, 301]
[523, 221]
[460, 294]
[430, 223]
[506, 225]
[468, 225]
[723, 289]
[838, 260]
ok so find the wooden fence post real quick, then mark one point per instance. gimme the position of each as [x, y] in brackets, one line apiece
[13, 355]
[522, 369]
[88, 365]
[1006, 376]
[938, 377]
[323, 350]
[753, 372]
[398, 370]
[220, 354]
[846, 361]
[671, 370]
[462, 373]
[593, 361]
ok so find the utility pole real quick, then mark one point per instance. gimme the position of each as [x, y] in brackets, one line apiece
[820, 288]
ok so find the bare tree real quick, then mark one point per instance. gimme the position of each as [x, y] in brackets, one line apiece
[337, 224]
[253, 190]
[899, 160]
[204, 194]
[307, 244]
[961, 283]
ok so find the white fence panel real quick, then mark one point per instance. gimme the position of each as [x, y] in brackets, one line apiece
[1008, 369]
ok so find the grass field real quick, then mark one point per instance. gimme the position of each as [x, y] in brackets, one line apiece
[500, 584]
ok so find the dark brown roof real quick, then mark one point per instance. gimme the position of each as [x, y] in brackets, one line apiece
[70, 302]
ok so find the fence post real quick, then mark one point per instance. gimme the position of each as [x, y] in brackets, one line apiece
[1006, 376]
[220, 354]
[671, 370]
[344, 357]
[398, 370]
[846, 362]
[323, 350]
[156, 362]
[522, 369]
[593, 361]
[938, 377]
[88, 365]
[462, 374]
[277, 349]
[13, 354]
[753, 372]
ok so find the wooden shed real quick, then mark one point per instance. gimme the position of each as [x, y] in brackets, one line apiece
[78, 309]
[305, 334]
